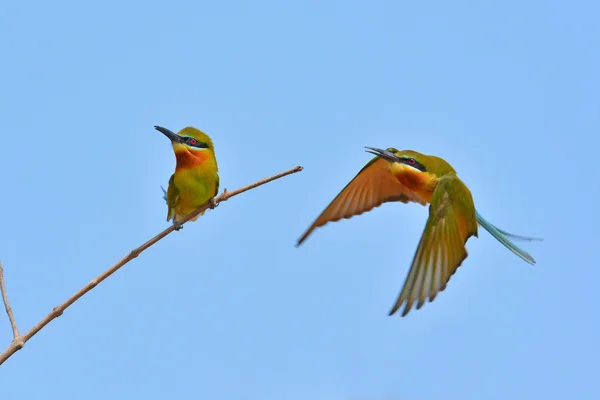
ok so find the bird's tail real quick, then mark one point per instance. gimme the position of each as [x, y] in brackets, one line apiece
[502, 237]
[164, 194]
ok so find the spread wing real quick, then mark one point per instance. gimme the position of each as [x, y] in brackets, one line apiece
[372, 186]
[441, 250]
[171, 198]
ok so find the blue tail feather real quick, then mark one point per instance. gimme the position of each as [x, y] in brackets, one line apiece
[502, 237]
[164, 194]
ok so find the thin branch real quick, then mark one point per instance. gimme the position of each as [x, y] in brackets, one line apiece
[16, 345]
[11, 317]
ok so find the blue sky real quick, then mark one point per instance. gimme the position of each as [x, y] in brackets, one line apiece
[228, 308]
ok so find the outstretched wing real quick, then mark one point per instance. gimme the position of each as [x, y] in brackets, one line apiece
[441, 250]
[171, 197]
[372, 186]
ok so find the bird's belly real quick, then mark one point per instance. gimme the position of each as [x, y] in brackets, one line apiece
[195, 190]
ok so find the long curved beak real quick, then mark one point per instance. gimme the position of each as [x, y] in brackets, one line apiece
[172, 136]
[388, 155]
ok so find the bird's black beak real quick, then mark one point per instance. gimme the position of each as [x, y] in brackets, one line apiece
[172, 136]
[388, 155]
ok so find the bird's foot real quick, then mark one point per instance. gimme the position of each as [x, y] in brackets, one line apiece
[177, 225]
[212, 203]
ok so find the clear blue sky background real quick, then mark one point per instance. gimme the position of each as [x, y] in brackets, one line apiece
[228, 308]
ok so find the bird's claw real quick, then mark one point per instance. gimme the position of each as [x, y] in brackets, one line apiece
[177, 225]
[212, 203]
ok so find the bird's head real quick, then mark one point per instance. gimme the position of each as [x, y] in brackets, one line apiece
[188, 139]
[410, 161]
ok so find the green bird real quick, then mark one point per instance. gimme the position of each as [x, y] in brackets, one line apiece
[195, 181]
[408, 176]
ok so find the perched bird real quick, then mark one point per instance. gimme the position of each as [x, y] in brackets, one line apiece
[409, 176]
[196, 179]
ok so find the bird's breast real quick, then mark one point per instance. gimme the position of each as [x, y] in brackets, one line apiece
[195, 185]
[422, 183]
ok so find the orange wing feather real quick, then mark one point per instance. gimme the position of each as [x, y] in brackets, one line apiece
[374, 185]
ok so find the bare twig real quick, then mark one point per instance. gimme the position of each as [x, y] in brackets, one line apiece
[11, 317]
[16, 345]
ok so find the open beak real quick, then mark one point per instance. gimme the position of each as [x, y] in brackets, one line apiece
[388, 155]
[175, 138]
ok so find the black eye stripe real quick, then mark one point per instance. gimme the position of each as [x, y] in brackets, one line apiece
[190, 141]
[413, 163]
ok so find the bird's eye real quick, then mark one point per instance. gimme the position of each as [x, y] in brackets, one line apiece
[192, 141]
[412, 161]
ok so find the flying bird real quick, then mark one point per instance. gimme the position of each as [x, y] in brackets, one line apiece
[195, 182]
[408, 176]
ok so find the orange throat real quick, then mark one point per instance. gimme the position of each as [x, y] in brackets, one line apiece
[189, 159]
[422, 183]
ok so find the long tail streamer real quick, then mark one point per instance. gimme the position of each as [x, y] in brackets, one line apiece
[502, 237]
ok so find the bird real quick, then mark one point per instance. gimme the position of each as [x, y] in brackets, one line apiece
[195, 182]
[408, 176]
